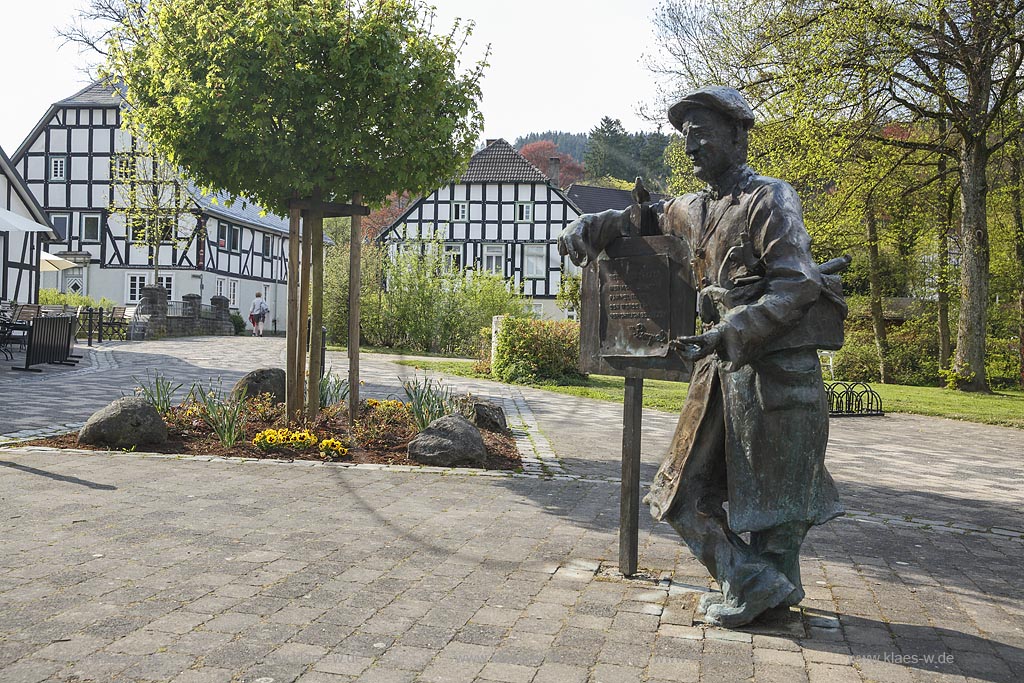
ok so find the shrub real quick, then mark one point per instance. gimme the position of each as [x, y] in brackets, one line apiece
[531, 351]
[483, 351]
[239, 322]
[423, 304]
[52, 297]
[1002, 362]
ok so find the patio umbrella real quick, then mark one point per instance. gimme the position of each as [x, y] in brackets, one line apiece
[10, 221]
[49, 263]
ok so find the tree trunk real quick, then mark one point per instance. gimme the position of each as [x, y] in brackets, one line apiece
[877, 313]
[1017, 167]
[316, 315]
[1020, 323]
[354, 290]
[969, 362]
[942, 277]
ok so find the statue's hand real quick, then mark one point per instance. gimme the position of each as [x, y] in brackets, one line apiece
[695, 348]
[574, 241]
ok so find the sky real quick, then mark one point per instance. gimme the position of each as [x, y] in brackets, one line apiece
[554, 64]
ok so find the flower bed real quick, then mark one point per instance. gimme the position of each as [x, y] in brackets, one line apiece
[209, 424]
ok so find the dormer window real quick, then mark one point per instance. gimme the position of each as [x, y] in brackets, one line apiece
[58, 169]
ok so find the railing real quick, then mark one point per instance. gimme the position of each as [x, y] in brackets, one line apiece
[207, 312]
[853, 399]
[178, 309]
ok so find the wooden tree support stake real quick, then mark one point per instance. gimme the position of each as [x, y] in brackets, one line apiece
[293, 370]
[354, 286]
[316, 316]
[629, 496]
[303, 312]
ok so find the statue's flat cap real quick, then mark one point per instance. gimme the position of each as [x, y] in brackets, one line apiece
[717, 98]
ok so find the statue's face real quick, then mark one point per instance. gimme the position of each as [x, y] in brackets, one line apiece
[711, 143]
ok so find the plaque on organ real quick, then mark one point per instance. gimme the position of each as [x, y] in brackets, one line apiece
[636, 297]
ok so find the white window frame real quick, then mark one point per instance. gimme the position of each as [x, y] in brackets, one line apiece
[452, 254]
[268, 244]
[532, 252]
[537, 309]
[99, 225]
[460, 212]
[67, 224]
[222, 243]
[496, 253]
[55, 162]
[234, 246]
[524, 212]
[221, 286]
[233, 293]
[128, 278]
[168, 283]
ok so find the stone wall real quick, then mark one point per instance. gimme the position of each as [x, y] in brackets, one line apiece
[191, 323]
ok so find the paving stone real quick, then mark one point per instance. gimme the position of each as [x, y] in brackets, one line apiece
[508, 673]
[352, 665]
[686, 671]
[480, 577]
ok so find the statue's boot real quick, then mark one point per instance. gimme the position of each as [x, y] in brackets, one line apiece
[764, 591]
[781, 547]
[708, 599]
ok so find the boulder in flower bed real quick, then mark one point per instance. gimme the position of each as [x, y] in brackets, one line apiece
[128, 422]
[449, 441]
[489, 415]
[263, 381]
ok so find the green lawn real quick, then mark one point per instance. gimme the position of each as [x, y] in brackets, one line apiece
[1002, 408]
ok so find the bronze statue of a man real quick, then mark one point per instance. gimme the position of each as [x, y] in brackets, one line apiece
[748, 452]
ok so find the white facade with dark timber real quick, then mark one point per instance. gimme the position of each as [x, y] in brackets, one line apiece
[503, 216]
[20, 249]
[67, 162]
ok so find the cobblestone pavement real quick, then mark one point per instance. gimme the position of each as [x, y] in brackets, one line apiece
[132, 568]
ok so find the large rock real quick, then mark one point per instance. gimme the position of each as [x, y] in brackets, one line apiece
[490, 416]
[449, 441]
[128, 422]
[263, 381]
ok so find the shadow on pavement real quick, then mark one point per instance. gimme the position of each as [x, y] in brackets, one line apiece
[57, 477]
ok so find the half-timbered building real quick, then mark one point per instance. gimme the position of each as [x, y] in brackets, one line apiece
[502, 216]
[23, 227]
[72, 162]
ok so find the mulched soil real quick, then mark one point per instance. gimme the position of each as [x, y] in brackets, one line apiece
[502, 453]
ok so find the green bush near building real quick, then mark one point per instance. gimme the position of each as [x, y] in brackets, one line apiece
[530, 351]
[52, 297]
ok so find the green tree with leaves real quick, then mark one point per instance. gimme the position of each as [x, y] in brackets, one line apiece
[327, 100]
[947, 69]
[153, 201]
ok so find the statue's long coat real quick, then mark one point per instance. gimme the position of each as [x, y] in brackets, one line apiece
[753, 266]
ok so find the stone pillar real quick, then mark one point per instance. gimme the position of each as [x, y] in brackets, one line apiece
[496, 323]
[221, 307]
[153, 304]
[191, 304]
